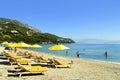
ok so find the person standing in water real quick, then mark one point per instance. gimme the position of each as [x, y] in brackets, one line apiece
[106, 54]
[66, 52]
[78, 54]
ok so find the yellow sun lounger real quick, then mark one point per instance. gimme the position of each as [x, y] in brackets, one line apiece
[14, 58]
[60, 64]
[27, 69]
[42, 59]
[32, 55]
[32, 68]
[10, 54]
[21, 60]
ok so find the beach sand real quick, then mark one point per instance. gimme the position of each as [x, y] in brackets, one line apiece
[81, 69]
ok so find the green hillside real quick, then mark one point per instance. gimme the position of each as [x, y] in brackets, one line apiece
[15, 31]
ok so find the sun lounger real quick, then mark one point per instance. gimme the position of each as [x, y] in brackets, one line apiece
[60, 64]
[56, 63]
[21, 60]
[32, 55]
[2, 56]
[21, 53]
[10, 54]
[42, 59]
[26, 69]
[14, 58]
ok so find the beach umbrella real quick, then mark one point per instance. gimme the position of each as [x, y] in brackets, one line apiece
[36, 46]
[18, 44]
[10, 44]
[22, 44]
[58, 47]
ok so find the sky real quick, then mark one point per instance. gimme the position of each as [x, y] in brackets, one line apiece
[75, 19]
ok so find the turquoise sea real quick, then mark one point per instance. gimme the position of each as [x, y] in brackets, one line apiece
[89, 51]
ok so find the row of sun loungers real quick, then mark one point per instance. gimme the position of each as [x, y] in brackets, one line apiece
[49, 61]
[26, 69]
[25, 65]
[13, 58]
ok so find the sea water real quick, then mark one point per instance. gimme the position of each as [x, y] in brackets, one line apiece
[89, 51]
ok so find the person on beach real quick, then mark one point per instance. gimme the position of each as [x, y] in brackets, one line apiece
[15, 49]
[66, 52]
[106, 54]
[78, 54]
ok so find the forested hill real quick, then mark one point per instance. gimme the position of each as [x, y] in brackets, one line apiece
[15, 31]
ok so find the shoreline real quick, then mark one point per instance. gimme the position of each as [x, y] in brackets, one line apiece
[113, 62]
[81, 69]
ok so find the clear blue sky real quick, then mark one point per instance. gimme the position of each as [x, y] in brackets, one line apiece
[76, 19]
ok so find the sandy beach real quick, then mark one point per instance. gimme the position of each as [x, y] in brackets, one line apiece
[81, 69]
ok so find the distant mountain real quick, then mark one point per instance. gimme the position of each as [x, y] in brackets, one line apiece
[98, 41]
[15, 31]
